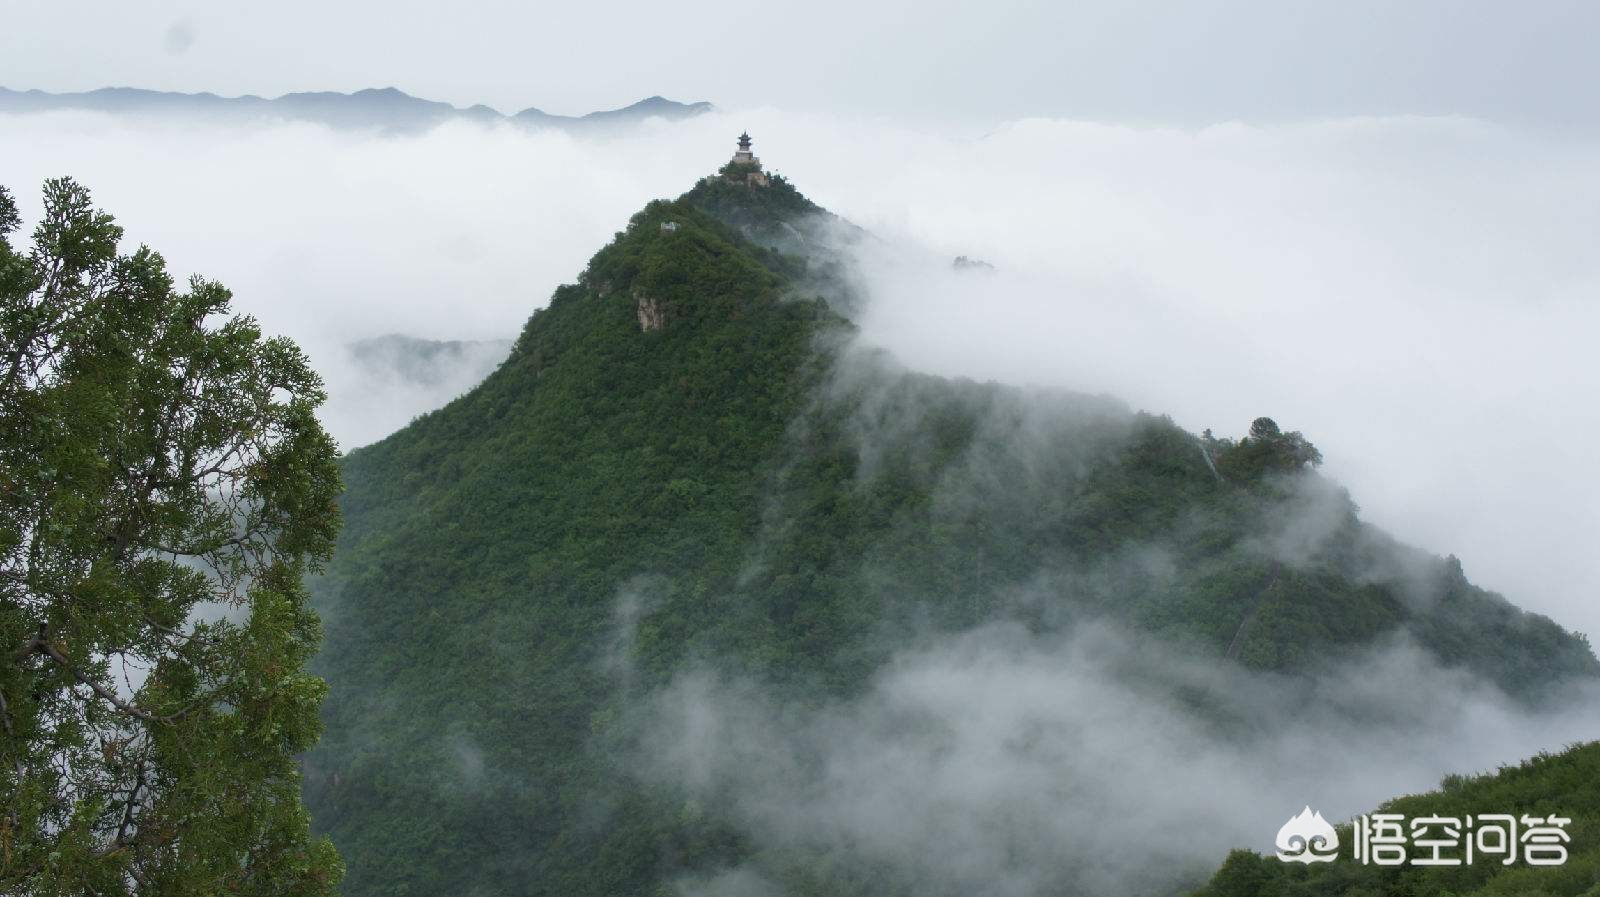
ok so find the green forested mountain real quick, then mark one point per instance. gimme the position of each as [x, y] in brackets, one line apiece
[684, 462]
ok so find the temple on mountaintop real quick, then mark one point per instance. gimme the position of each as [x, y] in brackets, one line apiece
[745, 166]
[744, 156]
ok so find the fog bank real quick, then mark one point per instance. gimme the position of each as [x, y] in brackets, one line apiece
[999, 762]
[1415, 294]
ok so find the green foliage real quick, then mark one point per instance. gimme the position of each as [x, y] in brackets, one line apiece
[1266, 449]
[499, 530]
[163, 485]
[761, 213]
[1565, 784]
[679, 466]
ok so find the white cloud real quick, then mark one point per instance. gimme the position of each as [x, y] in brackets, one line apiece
[999, 762]
[1417, 295]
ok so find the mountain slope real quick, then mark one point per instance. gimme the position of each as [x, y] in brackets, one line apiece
[683, 464]
[386, 109]
[1565, 784]
[594, 460]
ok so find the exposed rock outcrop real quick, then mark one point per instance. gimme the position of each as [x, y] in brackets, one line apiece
[652, 315]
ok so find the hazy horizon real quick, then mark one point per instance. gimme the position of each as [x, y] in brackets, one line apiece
[1146, 62]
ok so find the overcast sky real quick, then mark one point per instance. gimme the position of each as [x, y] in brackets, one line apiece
[1127, 60]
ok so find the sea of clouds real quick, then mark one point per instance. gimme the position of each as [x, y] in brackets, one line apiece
[1418, 295]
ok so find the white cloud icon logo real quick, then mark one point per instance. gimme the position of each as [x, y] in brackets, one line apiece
[1307, 838]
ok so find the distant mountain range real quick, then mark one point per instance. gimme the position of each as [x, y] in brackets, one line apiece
[386, 109]
[412, 361]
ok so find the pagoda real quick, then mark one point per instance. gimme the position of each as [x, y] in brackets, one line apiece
[745, 167]
[744, 156]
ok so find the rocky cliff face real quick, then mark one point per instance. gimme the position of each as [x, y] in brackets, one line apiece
[651, 314]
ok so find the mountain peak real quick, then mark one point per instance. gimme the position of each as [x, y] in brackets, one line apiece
[680, 470]
[655, 106]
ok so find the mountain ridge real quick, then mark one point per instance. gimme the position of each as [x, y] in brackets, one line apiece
[682, 463]
[386, 108]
